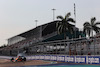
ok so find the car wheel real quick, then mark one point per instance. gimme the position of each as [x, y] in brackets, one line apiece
[12, 59]
[24, 59]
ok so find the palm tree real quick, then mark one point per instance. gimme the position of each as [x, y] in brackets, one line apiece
[92, 26]
[63, 25]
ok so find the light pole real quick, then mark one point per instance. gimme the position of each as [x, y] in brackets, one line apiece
[75, 18]
[75, 26]
[53, 14]
[36, 22]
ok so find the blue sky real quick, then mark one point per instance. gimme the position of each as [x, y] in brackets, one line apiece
[17, 16]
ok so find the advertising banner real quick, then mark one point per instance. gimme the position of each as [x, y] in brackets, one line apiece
[80, 59]
[93, 59]
[61, 58]
[70, 59]
[53, 58]
[67, 58]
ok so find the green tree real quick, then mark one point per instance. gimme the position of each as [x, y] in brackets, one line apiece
[91, 26]
[63, 25]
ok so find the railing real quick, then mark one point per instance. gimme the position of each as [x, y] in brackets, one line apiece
[81, 46]
[70, 47]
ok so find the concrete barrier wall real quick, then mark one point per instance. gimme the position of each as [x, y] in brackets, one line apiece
[66, 58]
[5, 57]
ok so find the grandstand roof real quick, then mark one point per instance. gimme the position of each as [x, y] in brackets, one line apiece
[24, 34]
[29, 32]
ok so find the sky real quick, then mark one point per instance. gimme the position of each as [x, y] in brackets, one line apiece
[18, 16]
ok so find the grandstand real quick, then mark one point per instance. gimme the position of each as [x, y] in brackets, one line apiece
[29, 39]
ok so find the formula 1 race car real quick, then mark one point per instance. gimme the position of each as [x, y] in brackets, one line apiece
[20, 57]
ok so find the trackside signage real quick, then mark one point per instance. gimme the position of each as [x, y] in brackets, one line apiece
[93, 60]
[60, 58]
[80, 59]
[47, 57]
[42, 57]
[53, 57]
[66, 58]
[69, 59]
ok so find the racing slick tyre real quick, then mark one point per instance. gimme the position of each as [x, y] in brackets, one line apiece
[24, 59]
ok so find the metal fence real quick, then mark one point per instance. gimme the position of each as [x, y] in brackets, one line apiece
[81, 46]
